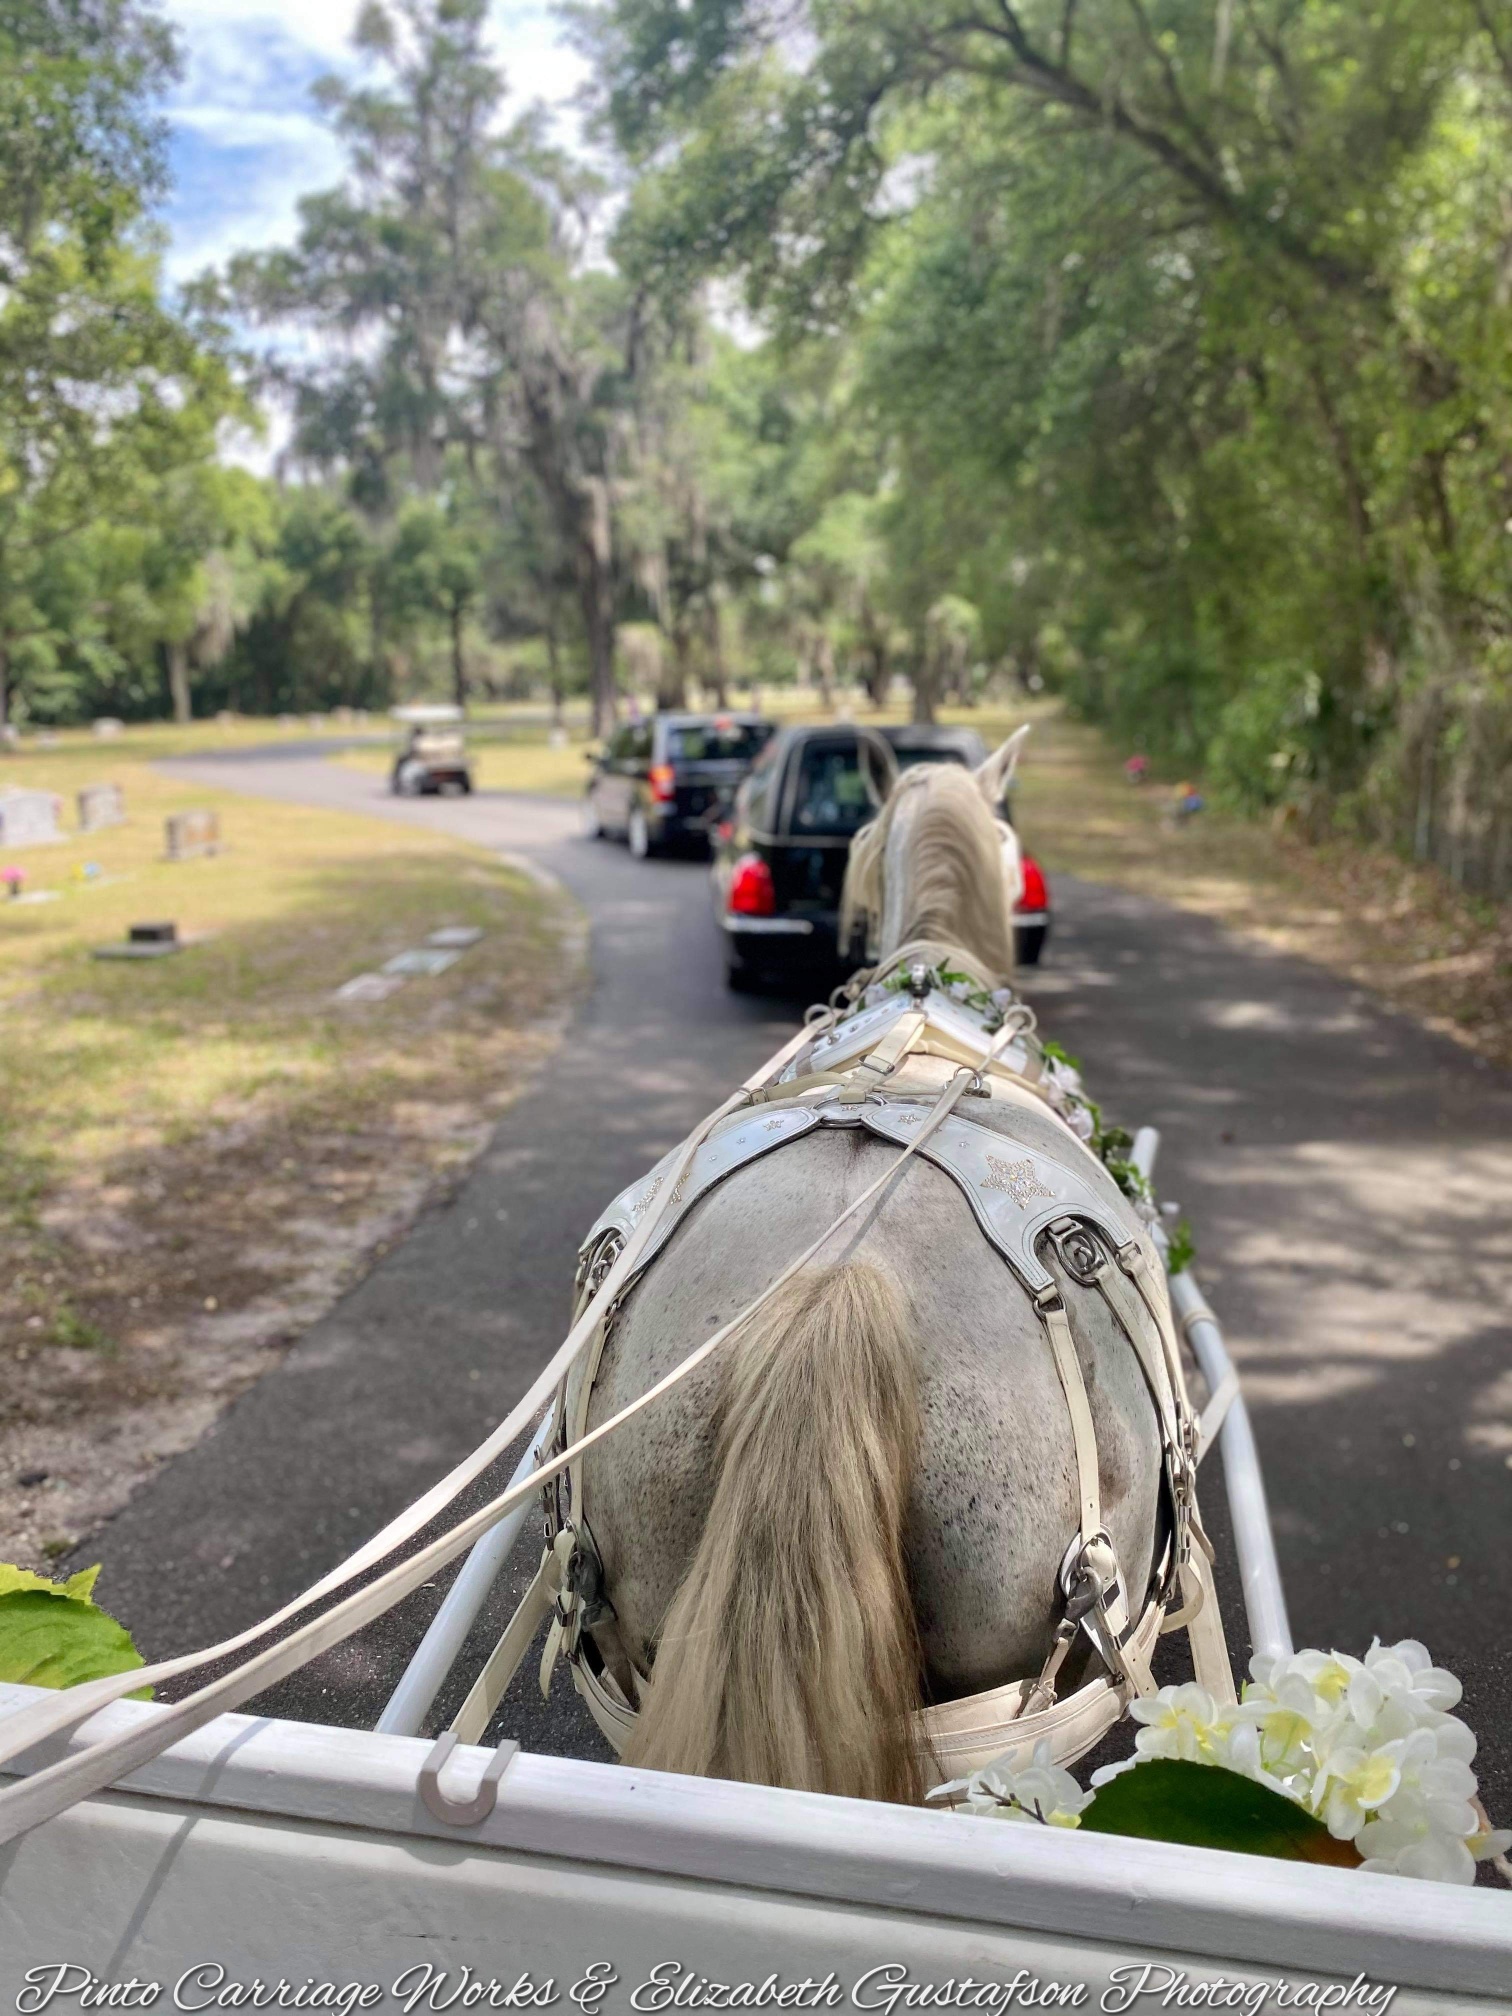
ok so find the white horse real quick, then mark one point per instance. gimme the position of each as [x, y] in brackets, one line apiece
[860, 1505]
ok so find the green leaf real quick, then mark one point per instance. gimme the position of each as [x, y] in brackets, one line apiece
[1205, 1806]
[1181, 1248]
[53, 1635]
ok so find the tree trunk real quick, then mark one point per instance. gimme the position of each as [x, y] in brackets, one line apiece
[714, 638]
[5, 693]
[824, 667]
[879, 674]
[554, 670]
[459, 661]
[925, 679]
[594, 566]
[672, 682]
[178, 681]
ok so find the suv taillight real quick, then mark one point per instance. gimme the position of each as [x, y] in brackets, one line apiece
[751, 890]
[1036, 894]
[663, 781]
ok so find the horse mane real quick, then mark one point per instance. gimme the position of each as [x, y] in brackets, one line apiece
[956, 892]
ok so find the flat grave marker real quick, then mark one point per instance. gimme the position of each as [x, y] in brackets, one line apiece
[425, 960]
[369, 987]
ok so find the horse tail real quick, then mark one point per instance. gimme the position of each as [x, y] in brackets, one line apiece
[790, 1653]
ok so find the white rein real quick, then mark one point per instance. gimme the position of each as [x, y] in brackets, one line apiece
[46, 1793]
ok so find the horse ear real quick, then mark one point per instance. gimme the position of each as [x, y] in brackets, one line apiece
[996, 774]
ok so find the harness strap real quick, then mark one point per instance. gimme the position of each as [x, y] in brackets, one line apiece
[1052, 1312]
[487, 1691]
[509, 1654]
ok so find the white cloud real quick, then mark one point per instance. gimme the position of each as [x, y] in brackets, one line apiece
[247, 142]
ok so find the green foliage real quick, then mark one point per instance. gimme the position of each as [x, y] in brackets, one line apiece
[1205, 1806]
[1181, 1248]
[1178, 331]
[54, 1634]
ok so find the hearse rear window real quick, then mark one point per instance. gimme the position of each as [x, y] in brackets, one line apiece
[709, 742]
[832, 796]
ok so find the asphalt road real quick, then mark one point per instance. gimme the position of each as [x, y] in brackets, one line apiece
[1348, 1176]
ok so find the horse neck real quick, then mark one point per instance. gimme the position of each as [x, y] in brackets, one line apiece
[942, 882]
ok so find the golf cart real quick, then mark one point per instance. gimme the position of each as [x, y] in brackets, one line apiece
[434, 756]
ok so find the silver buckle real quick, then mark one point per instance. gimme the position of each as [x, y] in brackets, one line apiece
[1097, 1597]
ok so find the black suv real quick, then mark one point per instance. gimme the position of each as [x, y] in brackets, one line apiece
[780, 852]
[660, 783]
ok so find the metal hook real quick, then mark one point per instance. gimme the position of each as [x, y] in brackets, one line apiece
[454, 1812]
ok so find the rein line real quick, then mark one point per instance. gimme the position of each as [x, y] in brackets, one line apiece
[44, 1794]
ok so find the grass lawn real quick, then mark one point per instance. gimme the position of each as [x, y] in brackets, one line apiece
[197, 1151]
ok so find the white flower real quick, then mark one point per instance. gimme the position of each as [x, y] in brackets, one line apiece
[1006, 1789]
[1079, 1119]
[1180, 1722]
[1405, 1668]
[1353, 1783]
[1366, 1745]
[1288, 1721]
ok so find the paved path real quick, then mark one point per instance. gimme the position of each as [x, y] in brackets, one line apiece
[1348, 1176]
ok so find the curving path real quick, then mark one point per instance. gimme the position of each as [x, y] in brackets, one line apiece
[1348, 1175]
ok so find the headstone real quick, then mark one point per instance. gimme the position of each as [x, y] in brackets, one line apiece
[101, 805]
[556, 738]
[288, 721]
[191, 834]
[49, 741]
[107, 726]
[315, 721]
[28, 818]
[454, 937]
[144, 941]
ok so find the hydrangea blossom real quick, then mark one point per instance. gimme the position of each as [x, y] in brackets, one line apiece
[1367, 1745]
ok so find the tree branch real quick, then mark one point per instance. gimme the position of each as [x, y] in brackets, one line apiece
[1172, 82]
[1058, 82]
[1501, 43]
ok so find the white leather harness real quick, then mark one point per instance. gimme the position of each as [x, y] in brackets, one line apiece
[1049, 1213]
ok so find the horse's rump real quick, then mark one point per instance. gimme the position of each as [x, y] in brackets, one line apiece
[993, 1501]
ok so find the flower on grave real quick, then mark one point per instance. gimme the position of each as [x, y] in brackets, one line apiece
[1015, 1788]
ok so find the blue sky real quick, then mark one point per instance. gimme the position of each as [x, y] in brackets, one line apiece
[246, 144]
